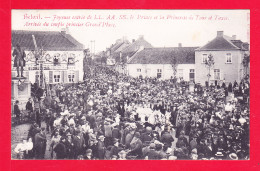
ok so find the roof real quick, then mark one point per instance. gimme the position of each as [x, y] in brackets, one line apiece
[133, 47]
[48, 40]
[123, 46]
[240, 44]
[183, 55]
[224, 43]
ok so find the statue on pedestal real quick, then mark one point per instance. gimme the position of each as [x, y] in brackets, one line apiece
[19, 61]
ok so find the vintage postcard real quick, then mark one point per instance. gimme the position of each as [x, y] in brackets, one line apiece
[130, 84]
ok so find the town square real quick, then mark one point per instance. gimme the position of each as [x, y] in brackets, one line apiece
[132, 99]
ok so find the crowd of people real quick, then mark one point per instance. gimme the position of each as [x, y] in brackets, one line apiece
[114, 116]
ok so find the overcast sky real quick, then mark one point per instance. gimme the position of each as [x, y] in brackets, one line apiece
[178, 28]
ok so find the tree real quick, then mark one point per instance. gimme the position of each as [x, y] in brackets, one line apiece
[209, 64]
[174, 65]
[87, 62]
[245, 62]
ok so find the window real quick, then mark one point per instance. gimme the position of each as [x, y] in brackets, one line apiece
[159, 75]
[56, 77]
[216, 74]
[139, 70]
[228, 58]
[159, 70]
[204, 58]
[71, 77]
[180, 73]
[192, 74]
[71, 61]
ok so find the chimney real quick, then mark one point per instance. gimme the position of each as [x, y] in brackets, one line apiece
[220, 33]
[133, 40]
[179, 45]
[141, 36]
[124, 39]
[65, 30]
[234, 37]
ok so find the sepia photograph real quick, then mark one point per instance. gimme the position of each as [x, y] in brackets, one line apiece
[130, 84]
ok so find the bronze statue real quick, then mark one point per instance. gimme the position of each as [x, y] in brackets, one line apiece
[19, 61]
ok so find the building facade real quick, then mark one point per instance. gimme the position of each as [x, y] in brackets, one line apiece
[228, 54]
[62, 56]
[163, 63]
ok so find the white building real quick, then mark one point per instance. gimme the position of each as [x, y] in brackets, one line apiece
[159, 62]
[63, 56]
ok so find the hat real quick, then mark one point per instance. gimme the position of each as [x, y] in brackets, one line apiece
[137, 135]
[88, 151]
[194, 151]
[233, 156]
[115, 140]
[122, 152]
[92, 137]
[72, 114]
[172, 158]
[77, 131]
[148, 129]
[106, 123]
[219, 154]
[66, 112]
[101, 136]
[152, 146]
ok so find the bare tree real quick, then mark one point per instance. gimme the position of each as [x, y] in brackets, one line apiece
[209, 64]
[174, 65]
[245, 62]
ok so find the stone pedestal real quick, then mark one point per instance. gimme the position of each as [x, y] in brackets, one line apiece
[21, 90]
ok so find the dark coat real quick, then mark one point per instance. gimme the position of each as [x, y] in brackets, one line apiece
[70, 150]
[101, 150]
[78, 144]
[29, 106]
[167, 138]
[60, 150]
[17, 110]
[152, 155]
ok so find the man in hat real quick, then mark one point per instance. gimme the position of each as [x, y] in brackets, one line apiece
[167, 138]
[60, 149]
[101, 147]
[17, 111]
[40, 143]
[70, 150]
[115, 149]
[122, 155]
[108, 132]
[29, 107]
[79, 143]
[19, 61]
[136, 146]
[152, 154]
[88, 155]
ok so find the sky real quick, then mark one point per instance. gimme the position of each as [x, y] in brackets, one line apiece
[161, 28]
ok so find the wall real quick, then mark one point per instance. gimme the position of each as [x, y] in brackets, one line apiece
[229, 72]
[32, 69]
[150, 70]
